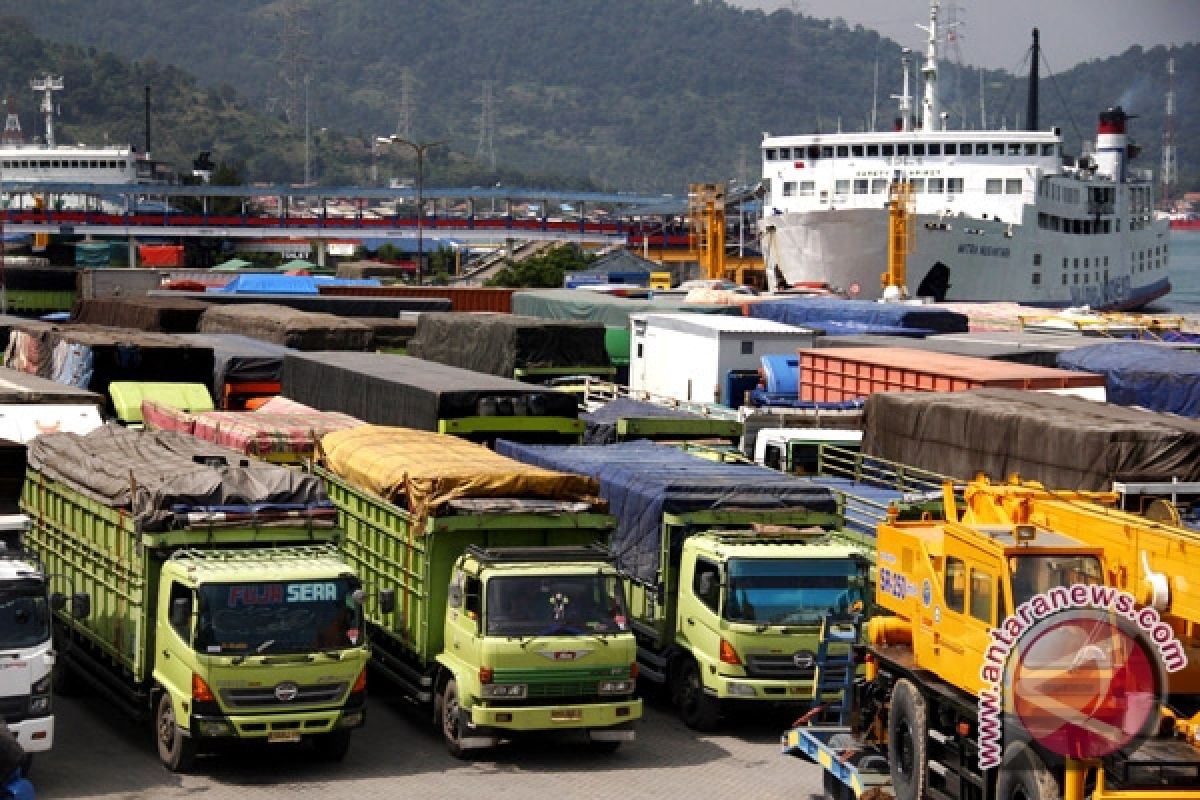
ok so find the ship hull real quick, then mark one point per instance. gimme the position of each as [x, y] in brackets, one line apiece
[958, 258]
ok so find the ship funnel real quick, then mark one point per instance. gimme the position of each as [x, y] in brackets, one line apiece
[1111, 152]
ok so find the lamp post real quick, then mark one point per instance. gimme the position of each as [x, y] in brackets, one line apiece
[420, 148]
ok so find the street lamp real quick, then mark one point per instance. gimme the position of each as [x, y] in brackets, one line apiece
[420, 149]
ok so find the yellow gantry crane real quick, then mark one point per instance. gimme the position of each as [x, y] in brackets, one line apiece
[901, 238]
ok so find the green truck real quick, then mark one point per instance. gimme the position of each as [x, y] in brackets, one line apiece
[218, 602]
[507, 619]
[731, 569]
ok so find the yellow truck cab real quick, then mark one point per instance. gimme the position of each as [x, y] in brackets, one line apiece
[537, 639]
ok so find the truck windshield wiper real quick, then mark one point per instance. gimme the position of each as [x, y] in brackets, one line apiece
[258, 650]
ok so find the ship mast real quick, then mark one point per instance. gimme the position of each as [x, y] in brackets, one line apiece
[48, 86]
[931, 107]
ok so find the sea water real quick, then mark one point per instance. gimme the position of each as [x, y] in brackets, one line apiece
[1185, 275]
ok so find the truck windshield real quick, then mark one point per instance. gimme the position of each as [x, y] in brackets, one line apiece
[279, 617]
[792, 591]
[1038, 574]
[24, 619]
[559, 605]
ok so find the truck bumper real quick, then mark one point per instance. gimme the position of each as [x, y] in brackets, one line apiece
[589, 716]
[751, 689]
[277, 727]
[35, 735]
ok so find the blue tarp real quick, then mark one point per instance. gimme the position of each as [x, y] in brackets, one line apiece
[642, 481]
[1140, 374]
[858, 316]
[782, 374]
[267, 283]
[761, 397]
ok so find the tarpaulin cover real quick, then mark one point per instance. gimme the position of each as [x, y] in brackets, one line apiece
[410, 392]
[1064, 442]
[269, 283]
[161, 314]
[302, 330]
[342, 305]
[45, 279]
[1039, 350]
[499, 344]
[93, 356]
[602, 423]
[240, 359]
[160, 475]
[159, 416]
[1152, 376]
[842, 314]
[424, 471]
[21, 387]
[290, 433]
[642, 481]
[611, 311]
[391, 333]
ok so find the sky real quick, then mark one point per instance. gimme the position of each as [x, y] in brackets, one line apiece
[996, 33]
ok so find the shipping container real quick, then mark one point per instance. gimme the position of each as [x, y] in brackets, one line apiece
[688, 356]
[462, 298]
[838, 374]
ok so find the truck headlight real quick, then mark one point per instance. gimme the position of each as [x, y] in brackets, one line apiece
[509, 690]
[615, 687]
[39, 704]
[741, 689]
[214, 727]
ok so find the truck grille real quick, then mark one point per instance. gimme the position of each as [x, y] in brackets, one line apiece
[776, 667]
[264, 696]
[15, 708]
[557, 691]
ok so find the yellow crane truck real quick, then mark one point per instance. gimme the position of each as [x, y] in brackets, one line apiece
[944, 708]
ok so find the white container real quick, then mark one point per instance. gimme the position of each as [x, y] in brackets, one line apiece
[688, 356]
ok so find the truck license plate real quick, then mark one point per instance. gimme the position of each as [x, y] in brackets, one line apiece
[566, 715]
[283, 736]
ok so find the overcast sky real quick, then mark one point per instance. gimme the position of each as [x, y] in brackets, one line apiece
[996, 33]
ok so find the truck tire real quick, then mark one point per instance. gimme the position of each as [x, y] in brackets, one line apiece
[450, 719]
[908, 732]
[698, 711]
[1025, 776]
[332, 747]
[176, 751]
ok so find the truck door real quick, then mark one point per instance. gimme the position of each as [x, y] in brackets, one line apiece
[970, 590]
[699, 621]
[173, 660]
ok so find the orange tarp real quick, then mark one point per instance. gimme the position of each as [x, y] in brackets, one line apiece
[423, 471]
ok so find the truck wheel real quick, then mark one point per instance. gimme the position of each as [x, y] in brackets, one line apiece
[908, 730]
[699, 711]
[176, 751]
[1024, 776]
[450, 719]
[332, 747]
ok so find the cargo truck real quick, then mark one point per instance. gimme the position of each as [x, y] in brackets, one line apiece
[218, 604]
[508, 621]
[724, 611]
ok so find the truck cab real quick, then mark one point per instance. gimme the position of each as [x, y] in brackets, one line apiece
[799, 450]
[739, 621]
[258, 644]
[25, 640]
[536, 639]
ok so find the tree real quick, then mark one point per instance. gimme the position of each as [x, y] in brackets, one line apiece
[543, 272]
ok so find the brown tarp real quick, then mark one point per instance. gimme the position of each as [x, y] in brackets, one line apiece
[424, 471]
[162, 475]
[301, 330]
[500, 344]
[1062, 441]
[160, 314]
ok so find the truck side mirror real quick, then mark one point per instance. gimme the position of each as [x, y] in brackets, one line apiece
[708, 584]
[58, 601]
[387, 600]
[181, 609]
[81, 605]
[454, 596]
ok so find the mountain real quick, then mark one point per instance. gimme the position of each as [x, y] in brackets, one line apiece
[638, 95]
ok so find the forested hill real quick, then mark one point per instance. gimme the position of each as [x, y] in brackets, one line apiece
[641, 95]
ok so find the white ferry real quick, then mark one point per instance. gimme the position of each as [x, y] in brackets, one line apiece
[1000, 215]
[47, 161]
